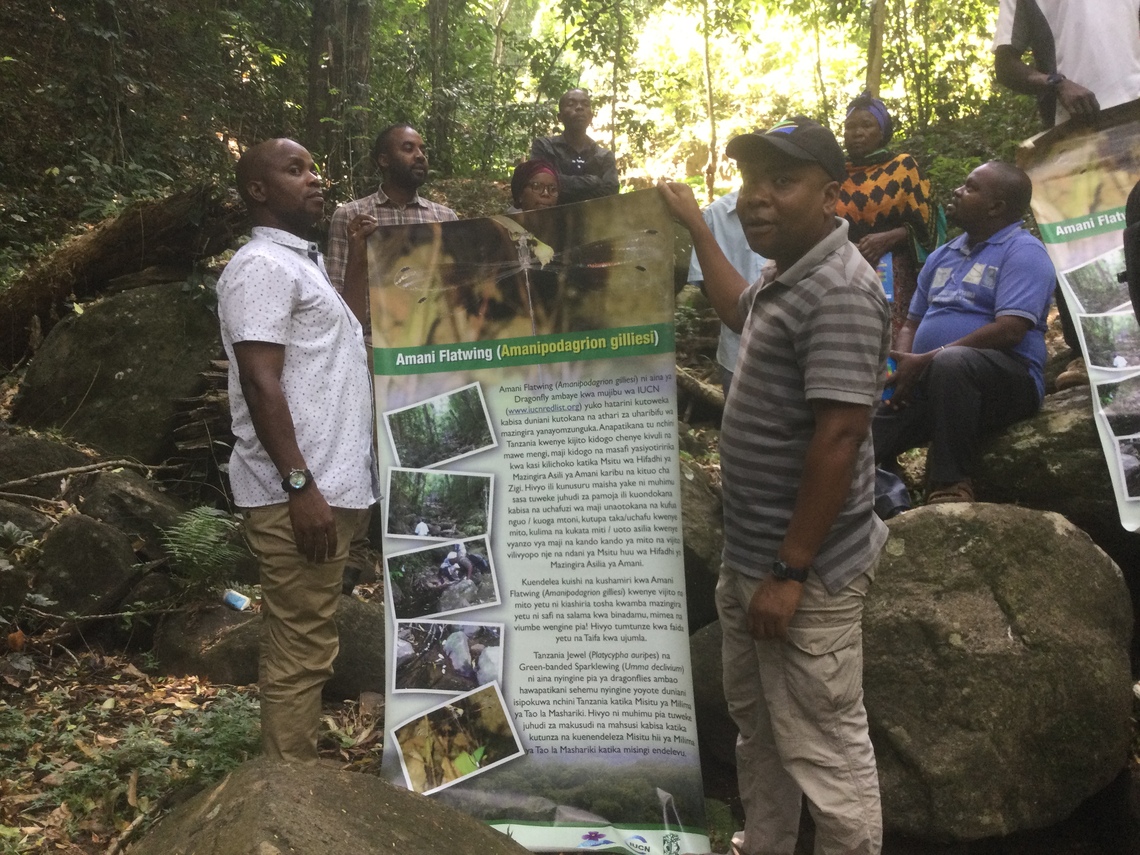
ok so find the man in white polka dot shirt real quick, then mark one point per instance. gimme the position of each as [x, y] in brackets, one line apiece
[302, 469]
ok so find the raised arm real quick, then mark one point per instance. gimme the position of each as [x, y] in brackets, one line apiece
[355, 291]
[723, 282]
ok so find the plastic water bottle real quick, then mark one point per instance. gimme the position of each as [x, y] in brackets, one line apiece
[892, 367]
[236, 600]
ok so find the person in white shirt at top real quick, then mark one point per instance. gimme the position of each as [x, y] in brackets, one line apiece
[1086, 54]
[724, 223]
[302, 469]
[1086, 58]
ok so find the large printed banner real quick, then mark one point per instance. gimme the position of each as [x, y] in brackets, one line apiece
[538, 648]
[1081, 179]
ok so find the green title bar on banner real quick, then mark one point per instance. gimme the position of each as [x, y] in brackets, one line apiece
[1082, 227]
[531, 350]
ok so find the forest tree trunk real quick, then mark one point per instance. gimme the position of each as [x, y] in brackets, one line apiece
[349, 66]
[317, 92]
[441, 107]
[875, 47]
[710, 168]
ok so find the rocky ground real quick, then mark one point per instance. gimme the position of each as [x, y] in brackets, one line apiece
[94, 745]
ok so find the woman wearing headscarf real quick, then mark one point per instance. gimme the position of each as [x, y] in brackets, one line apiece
[886, 199]
[534, 184]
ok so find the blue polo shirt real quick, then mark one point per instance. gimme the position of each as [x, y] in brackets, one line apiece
[962, 288]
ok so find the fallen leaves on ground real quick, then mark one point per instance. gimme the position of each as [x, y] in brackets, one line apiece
[90, 742]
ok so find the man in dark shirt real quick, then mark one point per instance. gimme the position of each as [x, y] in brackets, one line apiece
[586, 170]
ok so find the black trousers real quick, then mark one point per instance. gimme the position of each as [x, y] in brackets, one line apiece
[964, 394]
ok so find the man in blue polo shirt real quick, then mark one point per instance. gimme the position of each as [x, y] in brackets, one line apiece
[971, 353]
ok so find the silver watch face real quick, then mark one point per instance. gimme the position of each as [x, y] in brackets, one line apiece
[297, 479]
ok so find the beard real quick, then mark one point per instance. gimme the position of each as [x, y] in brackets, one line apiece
[403, 175]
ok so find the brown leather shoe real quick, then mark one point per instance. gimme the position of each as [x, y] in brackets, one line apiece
[1075, 374]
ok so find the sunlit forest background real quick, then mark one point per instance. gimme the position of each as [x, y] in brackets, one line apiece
[108, 101]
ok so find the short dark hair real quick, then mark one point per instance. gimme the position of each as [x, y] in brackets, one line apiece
[582, 89]
[384, 138]
[250, 166]
[1014, 185]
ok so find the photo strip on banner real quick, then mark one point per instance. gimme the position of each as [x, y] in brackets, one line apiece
[538, 642]
[1082, 175]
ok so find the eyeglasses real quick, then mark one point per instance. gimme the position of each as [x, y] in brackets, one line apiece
[543, 189]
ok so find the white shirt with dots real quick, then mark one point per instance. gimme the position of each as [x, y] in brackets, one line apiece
[275, 289]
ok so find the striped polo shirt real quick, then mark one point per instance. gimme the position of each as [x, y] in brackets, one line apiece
[821, 331]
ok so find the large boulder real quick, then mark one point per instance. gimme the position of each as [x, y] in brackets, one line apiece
[1054, 462]
[359, 665]
[24, 518]
[271, 808]
[702, 528]
[110, 377]
[15, 585]
[221, 645]
[149, 598]
[996, 670]
[716, 731]
[85, 567]
[214, 642]
[23, 456]
[133, 504]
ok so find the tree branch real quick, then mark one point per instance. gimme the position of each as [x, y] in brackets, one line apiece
[75, 470]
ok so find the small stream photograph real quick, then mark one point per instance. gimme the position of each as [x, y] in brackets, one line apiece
[438, 505]
[435, 656]
[440, 580]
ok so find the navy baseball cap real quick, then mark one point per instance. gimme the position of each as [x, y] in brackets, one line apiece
[798, 137]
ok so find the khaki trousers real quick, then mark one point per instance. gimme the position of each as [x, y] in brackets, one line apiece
[298, 631]
[798, 703]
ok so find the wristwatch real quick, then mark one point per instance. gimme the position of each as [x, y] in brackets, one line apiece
[297, 480]
[785, 573]
[1055, 78]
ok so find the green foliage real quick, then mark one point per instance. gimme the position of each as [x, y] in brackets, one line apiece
[951, 148]
[201, 548]
[439, 430]
[60, 740]
[130, 99]
[459, 73]
[13, 537]
[687, 320]
[110, 101]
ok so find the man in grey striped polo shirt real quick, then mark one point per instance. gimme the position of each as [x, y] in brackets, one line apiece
[801, 537]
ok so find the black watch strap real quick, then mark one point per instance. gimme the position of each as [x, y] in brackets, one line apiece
[792, 574]
[297, 480]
